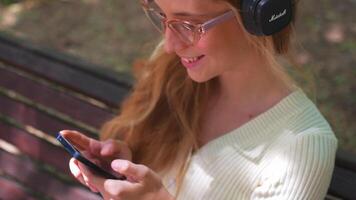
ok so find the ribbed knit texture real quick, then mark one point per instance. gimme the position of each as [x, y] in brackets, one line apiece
[285, 153]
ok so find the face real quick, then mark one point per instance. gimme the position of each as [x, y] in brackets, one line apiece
[219, 51]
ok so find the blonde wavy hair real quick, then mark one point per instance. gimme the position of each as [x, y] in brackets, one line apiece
[160, 119]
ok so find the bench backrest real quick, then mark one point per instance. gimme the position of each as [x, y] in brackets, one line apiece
[343, 183]
[41, 93]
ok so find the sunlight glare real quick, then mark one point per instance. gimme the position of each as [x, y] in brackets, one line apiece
[10, 15]
[9, 147]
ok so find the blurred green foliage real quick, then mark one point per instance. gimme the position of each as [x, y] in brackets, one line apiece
[8, 2]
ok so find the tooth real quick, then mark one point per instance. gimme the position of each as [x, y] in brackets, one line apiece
[193, 59]
[190, 60]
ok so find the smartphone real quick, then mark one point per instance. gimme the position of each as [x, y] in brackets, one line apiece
[93, 167]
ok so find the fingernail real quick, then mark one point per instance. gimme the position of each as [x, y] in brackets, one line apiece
[119, 165]
[105, 150]
[115, 164]
[62, 131]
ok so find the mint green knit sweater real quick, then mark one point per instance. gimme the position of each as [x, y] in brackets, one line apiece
[285, 153]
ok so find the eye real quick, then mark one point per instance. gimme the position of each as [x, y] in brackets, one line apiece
[161, 14]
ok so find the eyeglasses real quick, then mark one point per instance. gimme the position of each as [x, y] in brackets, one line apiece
[188, 32]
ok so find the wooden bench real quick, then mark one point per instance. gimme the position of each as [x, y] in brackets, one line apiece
[343, 183]
[42, 92]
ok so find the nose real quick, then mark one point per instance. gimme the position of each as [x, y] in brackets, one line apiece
[172, 42]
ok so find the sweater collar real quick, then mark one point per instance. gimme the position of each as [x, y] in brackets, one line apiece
[254, 137]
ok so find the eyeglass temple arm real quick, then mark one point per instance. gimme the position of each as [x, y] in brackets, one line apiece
[207, 25]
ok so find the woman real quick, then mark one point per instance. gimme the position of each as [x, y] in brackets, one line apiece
[213, 115]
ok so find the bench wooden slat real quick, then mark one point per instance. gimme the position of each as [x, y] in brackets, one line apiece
[36, 148]
[343, 183]
[24, 102]
[346, 160]
[25, 171]
[62, 73]
[30, 116]
[69, 60]
[10, 190]
[69, 105]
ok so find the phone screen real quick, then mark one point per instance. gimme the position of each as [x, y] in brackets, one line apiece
[92, 166]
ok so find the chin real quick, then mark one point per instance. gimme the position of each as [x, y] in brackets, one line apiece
[199, 79]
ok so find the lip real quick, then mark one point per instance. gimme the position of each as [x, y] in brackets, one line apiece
[193, 64]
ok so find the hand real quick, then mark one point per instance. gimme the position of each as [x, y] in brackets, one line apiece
[141, 184]
[108, 150]
[99, 152]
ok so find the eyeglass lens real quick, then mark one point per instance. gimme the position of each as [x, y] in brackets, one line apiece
[184, 31]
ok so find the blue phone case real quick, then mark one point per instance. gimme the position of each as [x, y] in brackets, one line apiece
[77, 155]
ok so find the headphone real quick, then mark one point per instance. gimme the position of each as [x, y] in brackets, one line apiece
[266, 17]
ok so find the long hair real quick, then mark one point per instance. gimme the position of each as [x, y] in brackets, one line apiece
[160, 119]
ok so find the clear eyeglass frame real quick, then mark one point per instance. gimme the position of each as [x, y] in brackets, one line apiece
[188, 32]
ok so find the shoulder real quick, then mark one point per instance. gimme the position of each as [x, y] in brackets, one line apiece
[297, 122]
[304, 137]
[303, 120]
[300, 157]
[304, 141]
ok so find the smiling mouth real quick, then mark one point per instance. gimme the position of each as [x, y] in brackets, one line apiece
[192, 59]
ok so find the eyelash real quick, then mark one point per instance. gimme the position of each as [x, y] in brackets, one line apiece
[162, 14]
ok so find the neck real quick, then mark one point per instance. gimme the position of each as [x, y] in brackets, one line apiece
[251, 84]
[240, 96]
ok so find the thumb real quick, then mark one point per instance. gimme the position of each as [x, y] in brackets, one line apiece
[133, 172]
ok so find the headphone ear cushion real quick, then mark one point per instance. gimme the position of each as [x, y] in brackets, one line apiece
[266, 17]
[247, 15]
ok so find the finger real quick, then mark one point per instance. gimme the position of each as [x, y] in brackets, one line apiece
[75, 170]
[113, 149]
[89, 179]
[78, 139]
[82, 142]
[109, 148]
[133, 171]
[119, 188]
[104, 186]
[95, 147]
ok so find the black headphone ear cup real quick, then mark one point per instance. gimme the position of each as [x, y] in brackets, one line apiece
[247, 14]
[266, 17]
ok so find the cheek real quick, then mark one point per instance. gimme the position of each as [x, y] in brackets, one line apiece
[225, 45]
[218, 46]
[211, 45]
[204, 44]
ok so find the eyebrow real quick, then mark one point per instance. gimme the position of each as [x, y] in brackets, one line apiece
[182, 14]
